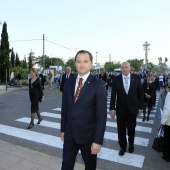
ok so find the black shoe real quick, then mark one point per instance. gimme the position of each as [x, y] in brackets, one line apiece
[131, 148]
[39, 121]
[121, 152]
[163, 157]
[143, 119]
[31, 125]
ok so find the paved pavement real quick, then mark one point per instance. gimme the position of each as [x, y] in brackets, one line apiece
[44, 141]
[14, 157]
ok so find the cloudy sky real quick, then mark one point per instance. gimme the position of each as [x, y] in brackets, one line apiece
[116, 28]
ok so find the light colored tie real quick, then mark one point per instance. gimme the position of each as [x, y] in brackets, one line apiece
[126, 84]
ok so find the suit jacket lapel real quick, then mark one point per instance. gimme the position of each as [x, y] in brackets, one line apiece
[85, 86]
[73, 86]
[121, 83]
[131, 82]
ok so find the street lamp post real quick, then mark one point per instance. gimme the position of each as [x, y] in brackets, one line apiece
[96, 61]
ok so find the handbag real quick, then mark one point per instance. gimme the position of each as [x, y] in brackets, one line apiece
[159, 140]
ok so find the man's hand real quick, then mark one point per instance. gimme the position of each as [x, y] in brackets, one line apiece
[112, 114]
[62, 136]
[95, 148]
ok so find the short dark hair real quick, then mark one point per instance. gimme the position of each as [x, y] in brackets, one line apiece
[84, 51]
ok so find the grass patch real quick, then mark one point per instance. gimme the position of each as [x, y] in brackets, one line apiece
[52, 93]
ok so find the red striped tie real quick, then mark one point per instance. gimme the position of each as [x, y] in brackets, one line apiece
[78, 89]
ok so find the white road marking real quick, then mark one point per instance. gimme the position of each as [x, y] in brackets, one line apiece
[108, 135]
[105, 153]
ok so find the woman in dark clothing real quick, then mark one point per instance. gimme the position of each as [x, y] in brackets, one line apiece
[149, 89]
[36, 95]
[155, 81]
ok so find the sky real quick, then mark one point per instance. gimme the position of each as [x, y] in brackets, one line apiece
[112, 30]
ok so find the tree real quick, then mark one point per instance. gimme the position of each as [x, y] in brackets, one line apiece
[12, 58]
[71, 63]
[31, 60]
[24, 63]
[4, 54]
[110, 66]
[136, 64]
[150, 66]
[17, 61]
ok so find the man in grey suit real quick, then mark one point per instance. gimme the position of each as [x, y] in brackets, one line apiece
[126, 103]
[83, 114]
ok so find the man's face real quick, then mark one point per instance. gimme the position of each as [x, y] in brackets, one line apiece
[68, 70]
[125, 68]
[83, 63]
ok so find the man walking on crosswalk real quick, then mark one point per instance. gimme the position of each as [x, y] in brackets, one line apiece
[126, 103]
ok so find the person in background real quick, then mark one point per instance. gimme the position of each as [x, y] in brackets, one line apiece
[161, 82]
[19, 81]
[65, 76]
[103, 76]
[42, 78]
[36, 95]
[83, 114]
[126, 103]
[155, 81]
[50, 76]
[165, 120]
[149, 91]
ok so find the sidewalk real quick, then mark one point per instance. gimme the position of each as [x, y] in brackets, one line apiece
[3, 89]
[14, 157]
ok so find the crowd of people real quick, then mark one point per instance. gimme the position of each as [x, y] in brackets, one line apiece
[84, 107]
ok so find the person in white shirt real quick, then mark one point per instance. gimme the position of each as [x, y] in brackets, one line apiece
[165, 120]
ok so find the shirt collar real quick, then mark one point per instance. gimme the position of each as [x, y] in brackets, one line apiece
[84, 77]
[126, 76]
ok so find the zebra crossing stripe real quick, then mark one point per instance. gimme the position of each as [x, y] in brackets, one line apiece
[47, 114]
[138, 140]
[105, 153]
[138, 128]
[127, 159]
[108, 110]
[138, 120]
[108, 135]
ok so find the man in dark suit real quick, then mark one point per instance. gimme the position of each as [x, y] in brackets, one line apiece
[126, 103]
[83, 114]
[65, 76]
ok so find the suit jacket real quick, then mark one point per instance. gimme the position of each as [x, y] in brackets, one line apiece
[63, 81]
[84, 120]
[120, 100]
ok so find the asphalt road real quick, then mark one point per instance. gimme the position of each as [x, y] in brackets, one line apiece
[15, 117]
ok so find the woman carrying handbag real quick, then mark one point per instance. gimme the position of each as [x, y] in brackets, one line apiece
[165, 120]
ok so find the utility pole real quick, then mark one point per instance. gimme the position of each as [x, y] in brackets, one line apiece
[96, 61]
[146, 45]
[110, 58]
[43, 52]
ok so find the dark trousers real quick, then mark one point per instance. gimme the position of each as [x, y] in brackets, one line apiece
[126, 122]
[70, 151]
[166, 148]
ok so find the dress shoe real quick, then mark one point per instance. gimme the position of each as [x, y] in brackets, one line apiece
[31, 125]
[131, 148]
[39, 121]
[143, 118]
[163, 157]
[121, 152]
[147, 118]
